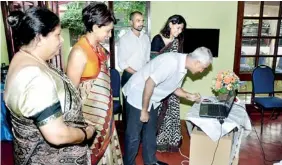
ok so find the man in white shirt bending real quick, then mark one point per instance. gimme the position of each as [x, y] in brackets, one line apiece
[146, 88]
[133, 49]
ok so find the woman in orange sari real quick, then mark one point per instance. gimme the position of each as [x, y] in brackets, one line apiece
[88, 70]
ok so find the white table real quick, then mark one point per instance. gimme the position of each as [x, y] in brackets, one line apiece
[237, 118]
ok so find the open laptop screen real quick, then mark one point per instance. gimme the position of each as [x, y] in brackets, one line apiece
[230, 99]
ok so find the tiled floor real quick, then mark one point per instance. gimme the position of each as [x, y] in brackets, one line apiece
[250, 152]
[271, 139]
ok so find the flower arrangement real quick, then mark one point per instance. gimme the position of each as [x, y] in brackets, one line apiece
[225, 81]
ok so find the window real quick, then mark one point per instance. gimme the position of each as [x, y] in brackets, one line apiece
[71, 18]
[258, 42]
[9, 6]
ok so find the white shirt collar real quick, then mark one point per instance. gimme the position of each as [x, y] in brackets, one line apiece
[141, 33]
[182, 63]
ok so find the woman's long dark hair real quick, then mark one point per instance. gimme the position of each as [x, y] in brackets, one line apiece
[34, 21]
[175, 19]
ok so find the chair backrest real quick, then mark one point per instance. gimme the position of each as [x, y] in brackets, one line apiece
[263, 79]
[115, 82]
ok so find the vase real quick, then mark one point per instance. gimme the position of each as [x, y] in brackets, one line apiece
[222, 96]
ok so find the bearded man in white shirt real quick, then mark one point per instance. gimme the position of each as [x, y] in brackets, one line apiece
[133, 49]
[145, 90]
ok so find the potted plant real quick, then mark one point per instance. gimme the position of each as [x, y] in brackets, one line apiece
[224, 82]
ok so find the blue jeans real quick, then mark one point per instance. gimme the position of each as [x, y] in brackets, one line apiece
[133, 136]
[124, 78]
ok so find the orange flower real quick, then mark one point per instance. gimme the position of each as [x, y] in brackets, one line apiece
[219, 77]
[217, 85]
[227, 80]
[233, 79]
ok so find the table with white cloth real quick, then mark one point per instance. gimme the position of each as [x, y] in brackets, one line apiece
[237, 118]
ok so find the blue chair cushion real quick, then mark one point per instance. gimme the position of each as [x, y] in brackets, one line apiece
[269, 102]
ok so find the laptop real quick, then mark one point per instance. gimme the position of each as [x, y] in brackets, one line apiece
[218, 109]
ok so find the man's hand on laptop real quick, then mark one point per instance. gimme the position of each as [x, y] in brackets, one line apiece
[199, 97]
[196, 97]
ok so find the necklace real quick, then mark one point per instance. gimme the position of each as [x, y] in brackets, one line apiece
[49, 67]
[102, 57]
[35, 58]
[95, 48]
[72, 95]
[54, 70]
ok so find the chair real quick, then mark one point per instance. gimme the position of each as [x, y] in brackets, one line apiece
[263, 83]
[115, 84]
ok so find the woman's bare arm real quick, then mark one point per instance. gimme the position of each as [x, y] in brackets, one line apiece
[76, 63]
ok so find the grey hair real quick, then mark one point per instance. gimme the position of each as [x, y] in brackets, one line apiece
[202, 54]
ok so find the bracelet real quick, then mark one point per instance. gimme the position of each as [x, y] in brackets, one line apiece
[85, 134]
[91, 139]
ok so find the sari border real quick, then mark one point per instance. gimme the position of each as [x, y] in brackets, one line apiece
[50, 118]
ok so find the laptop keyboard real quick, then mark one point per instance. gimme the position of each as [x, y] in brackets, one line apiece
[214, 110]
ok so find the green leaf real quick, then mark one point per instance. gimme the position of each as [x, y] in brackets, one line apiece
[223, 90]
